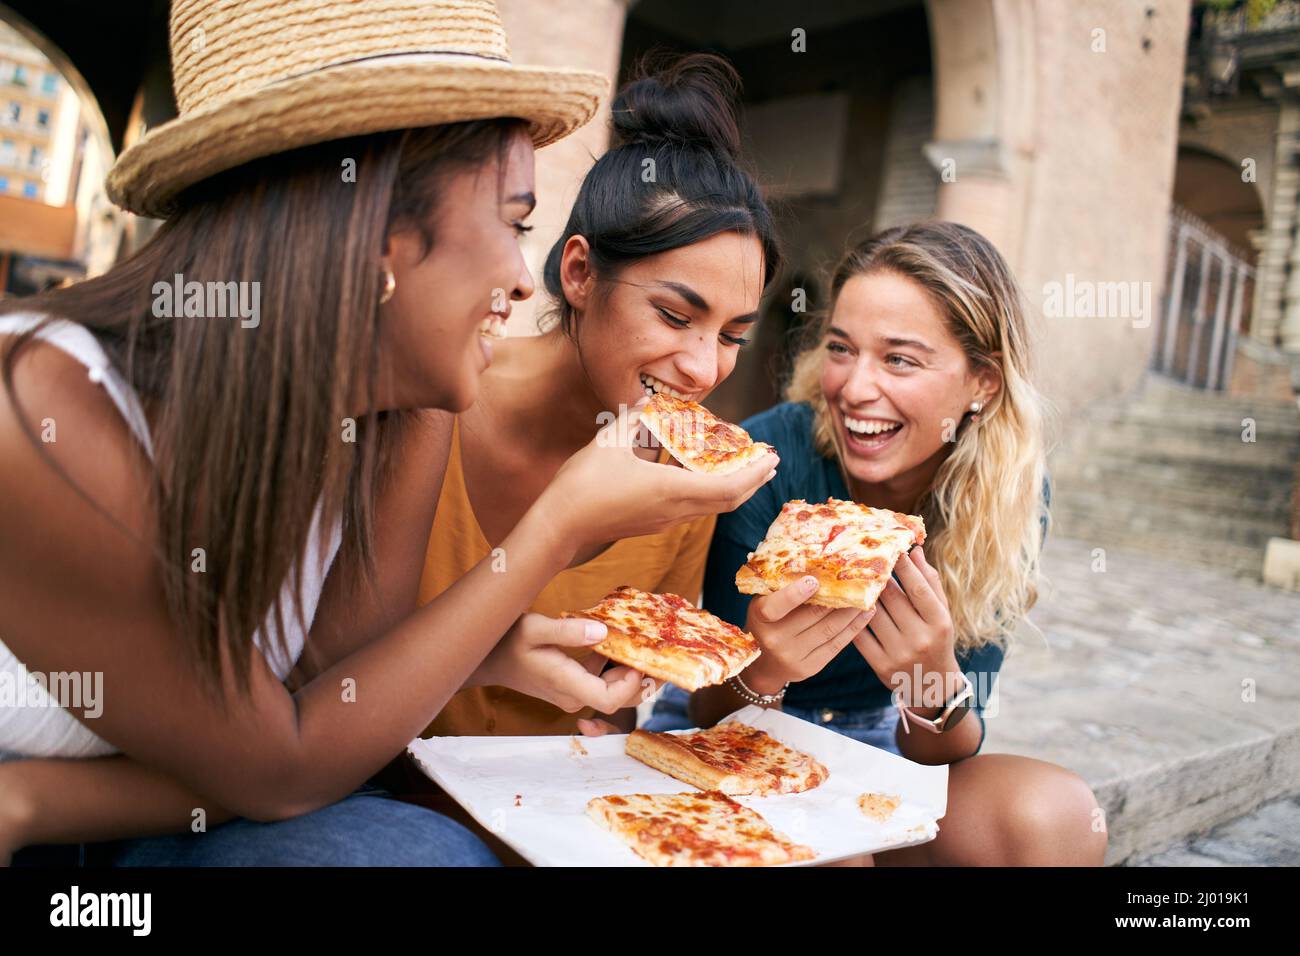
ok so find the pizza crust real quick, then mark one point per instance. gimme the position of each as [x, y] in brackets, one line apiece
[752, 761]
[831, 592]
[665, 753]
[669, 638]
[659, 416]
[687, 673]
[852, 564]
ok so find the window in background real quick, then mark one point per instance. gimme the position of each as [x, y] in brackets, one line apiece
[30, 189]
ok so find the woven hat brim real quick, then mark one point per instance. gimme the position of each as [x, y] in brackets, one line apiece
[353, 99]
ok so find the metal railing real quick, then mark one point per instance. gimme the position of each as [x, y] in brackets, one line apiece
[1208, 289]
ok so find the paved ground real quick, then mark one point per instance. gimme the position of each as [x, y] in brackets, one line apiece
[1174, 690]
[1269, 836]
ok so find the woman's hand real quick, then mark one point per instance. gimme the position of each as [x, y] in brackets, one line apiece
[912, 628]
[797, 639]
[606, 492]
[531, 659]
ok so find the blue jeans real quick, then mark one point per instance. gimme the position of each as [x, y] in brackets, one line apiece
[364, 829]
[870, 725]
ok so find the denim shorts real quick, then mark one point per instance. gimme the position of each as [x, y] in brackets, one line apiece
[869, 725]
[367, 828]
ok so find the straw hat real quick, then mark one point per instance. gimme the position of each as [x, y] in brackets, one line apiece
[258, 77]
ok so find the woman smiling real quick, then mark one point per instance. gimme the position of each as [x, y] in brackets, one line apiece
[655, 281]
[230, 525]
[915, 397]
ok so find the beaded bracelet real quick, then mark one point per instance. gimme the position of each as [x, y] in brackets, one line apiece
[742, 690]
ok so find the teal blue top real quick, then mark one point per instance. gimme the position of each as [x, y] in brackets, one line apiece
[847, 682]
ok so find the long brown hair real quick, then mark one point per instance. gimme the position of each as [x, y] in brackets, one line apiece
[983, 512]
[249, 424]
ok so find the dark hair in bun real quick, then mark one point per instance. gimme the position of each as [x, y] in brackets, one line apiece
[680, 112]
[687, 101]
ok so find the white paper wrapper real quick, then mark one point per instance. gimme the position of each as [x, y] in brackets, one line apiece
[532, 792]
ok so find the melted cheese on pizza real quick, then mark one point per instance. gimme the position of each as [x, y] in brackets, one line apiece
[878, 806]
[697, 438]
[667, 626]
[837, 539]
[694, 829]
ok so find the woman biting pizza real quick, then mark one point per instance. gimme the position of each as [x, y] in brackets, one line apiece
[655, 281]
[915, 399]
[222, 523]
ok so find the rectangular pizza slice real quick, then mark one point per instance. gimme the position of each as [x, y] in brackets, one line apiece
[669, 638]
[694, 829]
[699, 439]
[732, 758]
[849, 548]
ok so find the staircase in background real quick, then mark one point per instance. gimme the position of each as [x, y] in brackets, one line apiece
[1167, 473]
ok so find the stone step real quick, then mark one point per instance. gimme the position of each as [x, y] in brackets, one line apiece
[1152, 441]
[1280, 414]
[1089, 517]
[1157, 390]
[1136, 681]
[1269, 835]
[1270, 502]
[1215, 424]
[1254, 480]
[1121, 480]
[1235, 557]
[1067, 464]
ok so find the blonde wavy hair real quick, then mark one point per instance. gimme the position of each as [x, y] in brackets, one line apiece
[984, 511]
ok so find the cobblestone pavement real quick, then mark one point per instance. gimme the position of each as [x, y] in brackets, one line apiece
[1173, 689]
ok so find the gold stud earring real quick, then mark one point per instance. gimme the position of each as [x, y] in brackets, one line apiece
[390, 286]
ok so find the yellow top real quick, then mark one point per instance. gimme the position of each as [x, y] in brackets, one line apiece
[671, 561]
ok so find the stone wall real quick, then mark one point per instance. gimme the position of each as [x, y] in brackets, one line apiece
[1063, 121]
[584, 34]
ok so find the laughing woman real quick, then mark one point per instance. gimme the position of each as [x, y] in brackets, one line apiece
[915, 397]
[654, 283]
[225, 524]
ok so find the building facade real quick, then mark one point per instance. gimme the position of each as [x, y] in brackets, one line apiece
[1051, 128]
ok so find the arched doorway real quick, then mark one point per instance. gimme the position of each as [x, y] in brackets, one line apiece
[1212, 188]
[837, 109]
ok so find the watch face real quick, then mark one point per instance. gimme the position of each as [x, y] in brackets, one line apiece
[960, 711]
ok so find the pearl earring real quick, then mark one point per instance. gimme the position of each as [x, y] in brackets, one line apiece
[390, 286]
[976, 406]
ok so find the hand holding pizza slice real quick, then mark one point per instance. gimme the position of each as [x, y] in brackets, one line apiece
[816, 577]
[913, 629]
[542, 657]
[849, 548]
[669, 638]
[798, 639]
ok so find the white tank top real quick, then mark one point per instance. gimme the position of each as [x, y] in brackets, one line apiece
[31, 724]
